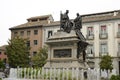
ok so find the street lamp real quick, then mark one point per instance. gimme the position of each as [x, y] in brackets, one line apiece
[30, 63]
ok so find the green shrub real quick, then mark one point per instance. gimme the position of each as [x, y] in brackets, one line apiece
[2, 66]
[115, 77]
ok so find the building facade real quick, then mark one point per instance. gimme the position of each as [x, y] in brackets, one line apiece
[102, 32]
[3, 55]
[32, 30]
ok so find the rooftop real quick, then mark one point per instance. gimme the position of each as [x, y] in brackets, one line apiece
[103, 16]
[95, 17]
[3, 47]
[40, 17]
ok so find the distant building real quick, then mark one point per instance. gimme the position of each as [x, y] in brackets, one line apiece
[102, 31]
[3, 55]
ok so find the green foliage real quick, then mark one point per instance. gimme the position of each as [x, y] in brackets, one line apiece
[106, 63]
[17, 52]
[115, 77]
[2, 66]
[41, 57]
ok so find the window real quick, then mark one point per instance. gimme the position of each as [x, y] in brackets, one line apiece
[5, 60]
[28, 43]
[62, 53]
[34, 53]
[90, 31]
[103, 32]
[5, 53]
[103, 48]
[41, 19]
[22, 33]
[15, 33]
[35, 42]
[50, 33]
[118, 32]
[118, 27]
[35, 32]
[90, 49]
[28, 33]
[118, 47]
[34, 20]
[103, 29]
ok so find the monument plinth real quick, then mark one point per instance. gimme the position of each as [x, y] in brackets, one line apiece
[62, 49]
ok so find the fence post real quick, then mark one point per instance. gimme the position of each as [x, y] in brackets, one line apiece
[77, 73]
[31, 73]
[73, 73]
[27, 74]
[62, 73]
[46, 74]
[38, 74]
[50, 73]
[58, 74]
[67, 72]
[98, 76]
[82, 76]
[42, 73]
[54, 73]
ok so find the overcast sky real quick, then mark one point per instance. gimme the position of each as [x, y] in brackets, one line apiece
[15, 12]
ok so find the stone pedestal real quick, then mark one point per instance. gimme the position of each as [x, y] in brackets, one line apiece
[62, 51]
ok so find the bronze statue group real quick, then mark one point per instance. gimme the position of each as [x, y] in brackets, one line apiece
[67, 25]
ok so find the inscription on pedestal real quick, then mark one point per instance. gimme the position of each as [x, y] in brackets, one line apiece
[62, 53]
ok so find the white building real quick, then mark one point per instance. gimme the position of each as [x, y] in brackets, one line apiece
[102, 31]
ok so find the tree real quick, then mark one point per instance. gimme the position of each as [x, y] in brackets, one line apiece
[106, 63]
[115, 77]
[17, 52]
[40, 58]
[2, 65]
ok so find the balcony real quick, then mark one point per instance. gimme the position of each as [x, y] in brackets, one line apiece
[103, 35]
[89, 55]
[103, 54]
[118, 34]
[90, 37]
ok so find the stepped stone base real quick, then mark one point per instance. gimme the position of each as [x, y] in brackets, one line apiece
[61, 41]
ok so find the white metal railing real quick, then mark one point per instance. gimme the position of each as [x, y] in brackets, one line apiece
[103, 35]
[58, 74]
[90, 37]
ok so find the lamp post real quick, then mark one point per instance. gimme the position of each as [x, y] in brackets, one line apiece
[30, 63]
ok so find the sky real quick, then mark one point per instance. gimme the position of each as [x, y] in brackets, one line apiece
[15, 12]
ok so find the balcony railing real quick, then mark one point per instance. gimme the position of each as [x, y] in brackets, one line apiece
[89, 55]
[103, 53]
[103, 35]
[118, 34]
[90, 37]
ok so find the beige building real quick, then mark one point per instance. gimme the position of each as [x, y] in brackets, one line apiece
[33, 31]
[102, 31]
